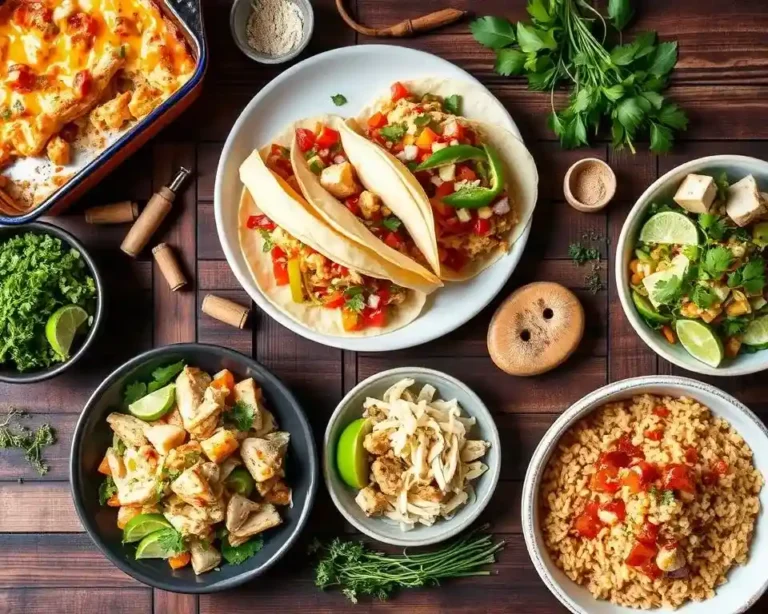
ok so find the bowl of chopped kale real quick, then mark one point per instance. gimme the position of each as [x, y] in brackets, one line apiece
[51, 302]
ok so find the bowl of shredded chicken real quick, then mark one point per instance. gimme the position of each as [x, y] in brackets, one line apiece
[433, 456]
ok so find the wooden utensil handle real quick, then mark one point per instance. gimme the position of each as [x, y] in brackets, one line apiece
[408, 27]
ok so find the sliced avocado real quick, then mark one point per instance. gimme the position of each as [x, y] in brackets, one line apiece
[647, 310]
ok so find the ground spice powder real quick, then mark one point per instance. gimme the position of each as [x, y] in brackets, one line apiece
[275, 27]
[589, 186]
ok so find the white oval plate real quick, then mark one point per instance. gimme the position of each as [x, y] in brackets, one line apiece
[360, 73]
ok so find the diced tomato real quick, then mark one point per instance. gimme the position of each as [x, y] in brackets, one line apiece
[655, 434]
[375, 318]
[351, 320]
[616, 506]
[444, 189]
[377, 120]
[624, 443]
[647, 471]
[651, 569]
[353, 204]
[384, 295]
[260, 221]
[280, 267]
[708, 478]
[327, 138]
[587, 524]
[82, 83]
[305, 139]
[338, 270]
[454, 130]
[225, 380]
[424, 155]
[455, 259]
[720, 467]
[481, 227]
[464, 173]
[470, 137]
[647, 533]
[614, 458]
[640, 554]
[278, 151]
[661, 411]
[393, 240]
[82, 27]
[426, 138]
[399, 91]
[605, 480]
[442, 210]
[21, 78]
[633, 481]
[679, 477]
[34, 15]
[691, 455]
[334, 300]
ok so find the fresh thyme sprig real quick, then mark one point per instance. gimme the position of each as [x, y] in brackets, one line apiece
[32, 443]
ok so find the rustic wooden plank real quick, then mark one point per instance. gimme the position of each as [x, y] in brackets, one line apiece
[208, 244]
[57, 560]
[684, 152]
[216, 275]
[208, 155]
[37, 507]
[13, 466]
[177, 603]
[76, 601]
[180, 234]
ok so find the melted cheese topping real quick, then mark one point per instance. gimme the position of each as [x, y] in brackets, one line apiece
[57, 39]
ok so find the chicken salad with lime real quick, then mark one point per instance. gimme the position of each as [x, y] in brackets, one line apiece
[698, 271]
[196, 468]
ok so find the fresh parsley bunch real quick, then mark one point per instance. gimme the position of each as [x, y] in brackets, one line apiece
[565, 42]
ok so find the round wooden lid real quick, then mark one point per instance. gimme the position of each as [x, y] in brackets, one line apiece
[535, 329]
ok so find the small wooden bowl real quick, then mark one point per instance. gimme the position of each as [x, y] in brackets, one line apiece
[573, 175]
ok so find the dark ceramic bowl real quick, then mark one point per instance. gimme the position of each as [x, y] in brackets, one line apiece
[93, 436]
[10, 374]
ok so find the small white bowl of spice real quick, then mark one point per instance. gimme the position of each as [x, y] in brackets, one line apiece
[589, 185]
[271, 31]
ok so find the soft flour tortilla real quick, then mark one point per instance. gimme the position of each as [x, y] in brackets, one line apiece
[290, 211]
[521, 176]
[396, 196]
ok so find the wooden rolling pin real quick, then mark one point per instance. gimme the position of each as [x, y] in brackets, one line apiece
[407, 27]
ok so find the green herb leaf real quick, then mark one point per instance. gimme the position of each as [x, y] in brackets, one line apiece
[661, 138]
[668, 497]
[339, 100]
[668, 291]
[671, 115]
[355, 302]
[32, 443]
[734, 326]
[391, 223]
[623, 55]
[509, 62]
[267, 238]
[751, 276]
[134, 391]
[452, 104]
[171, 541]
[703, 296]
[664, 59]
[538, 10]
[581, 254]
[493, 32]
[394, 132]
[107, 490]
[240, 415]
[162, 376]
[236, 555]
[722, 186]
[713, 225]
[717, 261]
[422, 120]
[620, 12]
[630, 114]
[533, 39]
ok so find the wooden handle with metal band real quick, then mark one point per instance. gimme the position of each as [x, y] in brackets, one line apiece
[408, 27]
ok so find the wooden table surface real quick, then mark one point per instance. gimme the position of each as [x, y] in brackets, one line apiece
[47, 564]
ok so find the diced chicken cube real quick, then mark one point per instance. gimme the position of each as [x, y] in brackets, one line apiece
[248, 392]
[192, 488]
[371, 501]
[370, 204]
[268, 423]
[59, 151]
[377, 442]
[220, 445]
[279, 494]
[239, 509]
[165, 437]
[263, 457]
[184, 456]
[113, 114]
[127, 512]
[697, 193]
[744, 203]
[204, 556]
[258, 522]
[264, 487]
[339, 180]
[128, 428]
[387, 473]
[427, 492]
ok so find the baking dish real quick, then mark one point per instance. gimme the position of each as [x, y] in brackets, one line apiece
[187, 16]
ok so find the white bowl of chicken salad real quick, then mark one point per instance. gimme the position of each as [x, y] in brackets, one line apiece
[412, 456]
[691, 265]
[193, 468]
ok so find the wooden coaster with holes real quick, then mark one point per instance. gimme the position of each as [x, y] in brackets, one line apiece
[535, 329]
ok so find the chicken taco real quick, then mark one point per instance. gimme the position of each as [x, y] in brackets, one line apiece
[308, 270]
[476, 182]
[326, 164]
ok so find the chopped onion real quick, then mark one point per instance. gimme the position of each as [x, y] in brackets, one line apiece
[373, 301]
[436, 180]
[411, 152]
[339, 159]
[502, 206]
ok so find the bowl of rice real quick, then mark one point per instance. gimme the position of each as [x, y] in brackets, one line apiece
[649, 493]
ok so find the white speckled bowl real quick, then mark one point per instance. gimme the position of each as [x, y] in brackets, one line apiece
[351, 408]
[745, 583]
[662, 190]
[238, 23]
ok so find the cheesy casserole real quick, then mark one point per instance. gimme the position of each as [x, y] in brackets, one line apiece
[69, 68]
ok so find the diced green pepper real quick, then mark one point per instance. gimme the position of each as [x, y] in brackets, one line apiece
[451, 155]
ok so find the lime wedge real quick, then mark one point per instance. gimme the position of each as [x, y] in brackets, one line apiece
[757, 332]
[160, 545]
[700, 341]
[351, 456]
[646, 309]
[62, 327]
[142, 525]
[670, 227]
[154, 405]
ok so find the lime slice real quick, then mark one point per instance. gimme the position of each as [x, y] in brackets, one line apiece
[351, 456]
[154, 405]
[142, 525]
[645, 309]
[159, 545]
[62, 326]
[670, 227]
[700, 341]
[757, 332]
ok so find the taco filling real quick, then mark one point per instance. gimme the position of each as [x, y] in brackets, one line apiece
[363, 302]
[462, 176]
[326, 158]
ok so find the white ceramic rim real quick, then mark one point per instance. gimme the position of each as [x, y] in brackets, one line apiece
[647, 334]
[380, 343]
[575, 412]
[492, 473]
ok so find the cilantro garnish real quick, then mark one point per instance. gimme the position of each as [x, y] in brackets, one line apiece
[134, 391]
[703, 296]
[240, 415]
[394, 132]
[354, 299]
[391, 223]
[107, 490]
[452, 104]
[717, 261]
[161, 376]
[171, 541]
[713, 225]
[581, 254]
[750, 276]
[422, 120]
[268, 242]
[339, 100]
[668, 291]
[236, 555]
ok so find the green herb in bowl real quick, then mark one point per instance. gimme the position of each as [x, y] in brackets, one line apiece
[39, 275]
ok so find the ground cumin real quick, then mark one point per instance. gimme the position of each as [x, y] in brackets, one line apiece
[590, 185]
